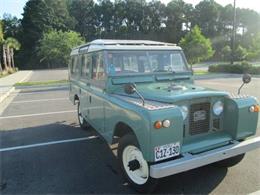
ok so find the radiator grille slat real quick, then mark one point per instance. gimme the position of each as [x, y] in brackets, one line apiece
[199, 118]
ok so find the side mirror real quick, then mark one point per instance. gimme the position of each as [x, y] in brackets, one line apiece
[130, 88]
[246, 78]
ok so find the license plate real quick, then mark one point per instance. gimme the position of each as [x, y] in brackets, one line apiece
[166, 151]
[199, 115]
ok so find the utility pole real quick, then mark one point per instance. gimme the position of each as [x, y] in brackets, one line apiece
[233, 39]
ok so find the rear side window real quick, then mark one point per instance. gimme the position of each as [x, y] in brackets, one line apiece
[98, 66]
[75, 69]
[86, 66]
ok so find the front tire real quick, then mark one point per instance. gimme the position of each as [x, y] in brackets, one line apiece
[230, 162]
[82, 122]
[135, 167]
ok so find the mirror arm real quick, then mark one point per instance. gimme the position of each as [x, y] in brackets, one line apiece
[142, 98]
[240, 88]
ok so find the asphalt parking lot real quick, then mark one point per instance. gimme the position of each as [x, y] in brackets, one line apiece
[43, 150]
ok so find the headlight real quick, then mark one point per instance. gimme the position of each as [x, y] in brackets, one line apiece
[218, 108]
[184, 111]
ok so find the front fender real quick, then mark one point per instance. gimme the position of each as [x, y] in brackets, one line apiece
[238, 120]
[134, 116]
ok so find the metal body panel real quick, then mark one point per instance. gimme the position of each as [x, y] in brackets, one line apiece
[189, 161]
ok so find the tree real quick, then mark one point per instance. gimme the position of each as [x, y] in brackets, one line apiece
[196, 46]
[11, 45]
[84, 14]
[41, 16]
[226, 53]
[207, 14]
[240, 53]
[11, 25]
[1, 42]
[179, 14]
[55, 47]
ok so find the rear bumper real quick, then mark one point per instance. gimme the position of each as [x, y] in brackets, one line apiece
[189, 161]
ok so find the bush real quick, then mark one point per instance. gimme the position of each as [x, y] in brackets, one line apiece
[242, 68]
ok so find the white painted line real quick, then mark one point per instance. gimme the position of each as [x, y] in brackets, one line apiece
[47, 143]
[26, 77]
[38, 114]
[39, 100]
[43, 92]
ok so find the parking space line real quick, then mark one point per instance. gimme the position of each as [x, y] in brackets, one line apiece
[47, 143]
[39, 100]
[37, 114]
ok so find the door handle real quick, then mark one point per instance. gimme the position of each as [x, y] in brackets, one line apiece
[90, 99]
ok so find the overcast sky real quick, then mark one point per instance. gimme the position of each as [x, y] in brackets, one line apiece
[15, 7]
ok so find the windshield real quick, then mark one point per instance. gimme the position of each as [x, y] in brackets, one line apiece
[132, 62]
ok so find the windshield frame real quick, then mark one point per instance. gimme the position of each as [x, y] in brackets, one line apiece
[188, 68]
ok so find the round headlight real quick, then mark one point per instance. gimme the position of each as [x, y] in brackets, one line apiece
[184, 111]
[218, 108]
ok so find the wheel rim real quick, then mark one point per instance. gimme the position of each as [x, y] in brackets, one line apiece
[140, 175]
[80, 116]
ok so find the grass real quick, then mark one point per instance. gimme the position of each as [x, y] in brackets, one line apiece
[201, 72]
[41, 83]
[5, 73]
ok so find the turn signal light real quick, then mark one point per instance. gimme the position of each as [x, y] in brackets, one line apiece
[255, 108]
[158, 124]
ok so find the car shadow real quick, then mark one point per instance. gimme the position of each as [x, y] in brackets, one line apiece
[81, 167]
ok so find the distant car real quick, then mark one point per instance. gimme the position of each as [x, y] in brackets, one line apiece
[141, 94]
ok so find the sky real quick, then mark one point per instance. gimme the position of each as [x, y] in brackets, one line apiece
[15, 7]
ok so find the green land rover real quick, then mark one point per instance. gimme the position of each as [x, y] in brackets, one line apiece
[141, 95]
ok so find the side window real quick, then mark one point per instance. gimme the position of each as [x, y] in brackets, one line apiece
[86, 66]
[72, 59]
[98, 66]
[75, 65]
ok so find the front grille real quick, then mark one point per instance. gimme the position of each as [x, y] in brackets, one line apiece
[199, 118]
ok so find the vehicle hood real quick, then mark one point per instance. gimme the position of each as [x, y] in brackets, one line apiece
[172, 92]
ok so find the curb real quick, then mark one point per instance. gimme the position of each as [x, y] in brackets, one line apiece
[12, 88]
[43, 86]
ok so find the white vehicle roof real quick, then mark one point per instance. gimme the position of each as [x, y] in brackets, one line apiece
[113, 44]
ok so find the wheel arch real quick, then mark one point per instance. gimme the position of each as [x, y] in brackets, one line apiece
[121, 129]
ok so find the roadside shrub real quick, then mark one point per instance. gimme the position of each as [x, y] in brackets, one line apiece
[242, 68]
[11, 71]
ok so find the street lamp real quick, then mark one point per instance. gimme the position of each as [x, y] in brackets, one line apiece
[233, 39]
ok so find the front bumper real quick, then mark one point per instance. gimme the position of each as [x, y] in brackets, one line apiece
[189, 161]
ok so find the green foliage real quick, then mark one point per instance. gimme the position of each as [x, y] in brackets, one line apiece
[241, 68]
[11, 26]
[207, 14]
[135, 19]
[41, 16]
[240, 53]
[179, 14]
[1, 33]
[226, 53]
[55, 47]
[12, 43]
[196, 46]
[254, 50]
[84, 14]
